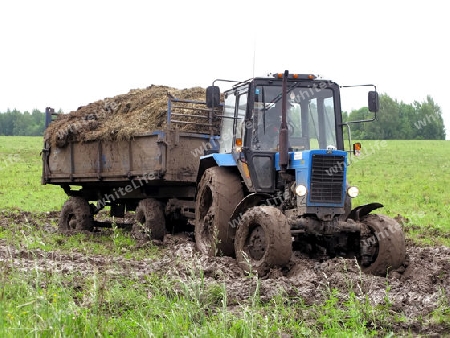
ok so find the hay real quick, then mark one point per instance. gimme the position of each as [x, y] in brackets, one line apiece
[127, 115]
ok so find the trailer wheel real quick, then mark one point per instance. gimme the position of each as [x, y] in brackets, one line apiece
[151, 223]
[219, 192]
[384, 244]
[263, 239]
[76, 215]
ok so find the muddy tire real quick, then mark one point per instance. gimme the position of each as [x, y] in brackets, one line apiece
[389, 241]
[76, 215]
[150, 220]
[263, 240]
[219, 192]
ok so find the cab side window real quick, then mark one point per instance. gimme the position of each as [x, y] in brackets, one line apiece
[239, 121]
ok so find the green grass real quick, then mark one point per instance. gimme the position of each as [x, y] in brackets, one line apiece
[21, 170]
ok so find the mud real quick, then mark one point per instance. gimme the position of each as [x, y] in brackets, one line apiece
[414, 291]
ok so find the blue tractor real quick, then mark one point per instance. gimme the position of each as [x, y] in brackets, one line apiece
[276, 180]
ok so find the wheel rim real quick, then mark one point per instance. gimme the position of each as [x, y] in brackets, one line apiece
[370, 256]
[256, 242]
[141, 219]
[72, 222]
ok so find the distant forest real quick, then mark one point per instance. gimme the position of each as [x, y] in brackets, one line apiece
[16, 123]
[395, 121]
[399, 121]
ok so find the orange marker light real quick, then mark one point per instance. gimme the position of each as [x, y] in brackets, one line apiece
[295, 76]
[239, 142]
[357, 149]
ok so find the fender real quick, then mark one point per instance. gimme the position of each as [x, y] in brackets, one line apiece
[215, 159]
[363, 210]
[246, 203]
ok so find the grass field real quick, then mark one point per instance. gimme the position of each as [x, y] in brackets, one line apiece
[408, 177]
[21, 170]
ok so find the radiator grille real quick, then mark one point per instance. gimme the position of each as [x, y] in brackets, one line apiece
[327, 178]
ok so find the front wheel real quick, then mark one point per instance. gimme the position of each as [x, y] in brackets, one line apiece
[76, 215]
[383, 246]
[263, 239]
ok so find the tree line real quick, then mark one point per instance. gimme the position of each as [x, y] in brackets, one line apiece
[16, 123]
[399, 121]
[395, 121]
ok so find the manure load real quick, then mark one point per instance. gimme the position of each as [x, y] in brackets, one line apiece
[124, 116]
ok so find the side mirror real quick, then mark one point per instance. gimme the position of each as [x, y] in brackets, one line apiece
[213, 96]
[374, 102]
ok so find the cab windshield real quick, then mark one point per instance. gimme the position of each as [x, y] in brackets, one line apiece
[310, 117]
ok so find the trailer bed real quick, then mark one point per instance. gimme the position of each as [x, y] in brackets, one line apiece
[167, 155]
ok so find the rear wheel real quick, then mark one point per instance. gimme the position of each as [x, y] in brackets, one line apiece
[219, 192]
[382, 246]
[263, 239]
[150, 220]
[76, 215]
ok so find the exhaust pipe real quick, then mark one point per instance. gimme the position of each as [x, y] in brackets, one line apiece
[283, 137]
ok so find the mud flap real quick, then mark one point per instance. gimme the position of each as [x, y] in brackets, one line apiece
[359, 212]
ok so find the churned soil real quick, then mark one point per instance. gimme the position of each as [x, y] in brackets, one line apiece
[413, 291]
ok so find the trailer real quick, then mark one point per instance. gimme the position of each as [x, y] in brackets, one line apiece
[152, 173]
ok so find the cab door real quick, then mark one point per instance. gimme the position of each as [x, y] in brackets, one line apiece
[256, 166]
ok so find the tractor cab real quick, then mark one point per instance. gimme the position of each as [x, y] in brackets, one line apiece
[284, 133]
[252, 121]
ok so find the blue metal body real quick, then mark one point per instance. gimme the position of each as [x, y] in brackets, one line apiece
[301, 162]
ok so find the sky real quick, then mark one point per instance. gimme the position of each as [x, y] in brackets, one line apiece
[68, 54]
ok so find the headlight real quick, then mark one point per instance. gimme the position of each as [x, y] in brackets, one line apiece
[353, 192]
[300, 190]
